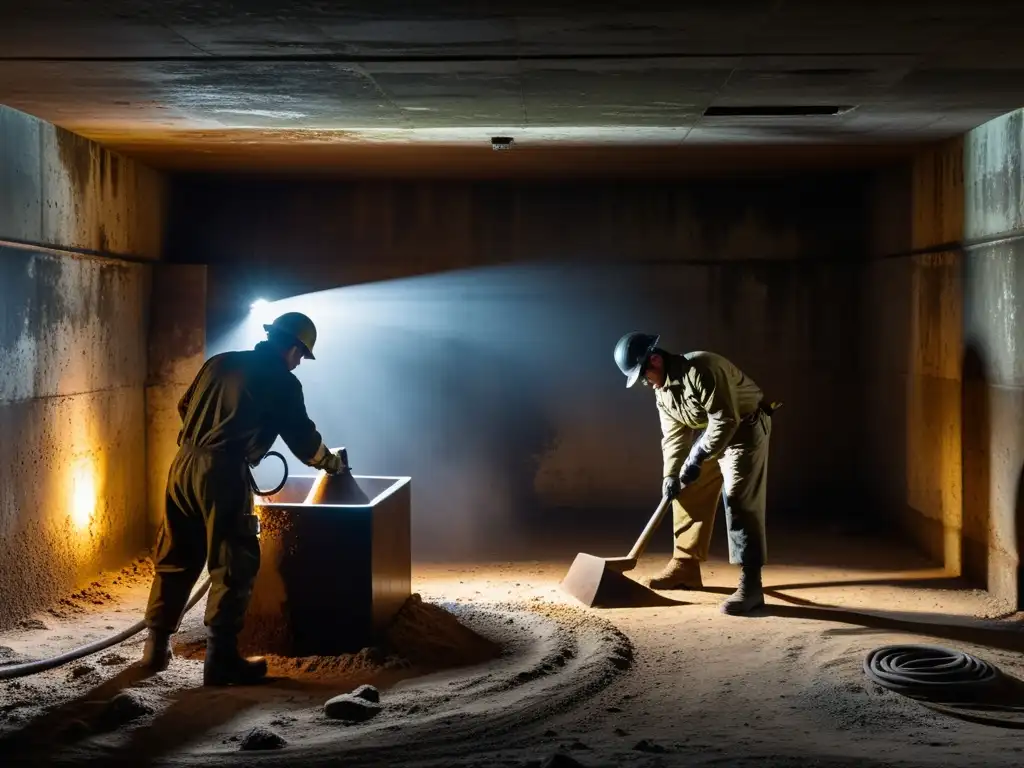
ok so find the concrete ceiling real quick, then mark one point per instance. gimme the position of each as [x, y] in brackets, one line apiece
[259, 83]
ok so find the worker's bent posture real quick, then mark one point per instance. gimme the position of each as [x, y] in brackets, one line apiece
[704, 391]
[238, 405]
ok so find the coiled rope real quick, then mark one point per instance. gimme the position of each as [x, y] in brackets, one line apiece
[947, 681]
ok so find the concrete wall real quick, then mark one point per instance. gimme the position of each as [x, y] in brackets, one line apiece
[177, 349]
[72, 359]
[471, 345]
[941, 351]
[912, 350]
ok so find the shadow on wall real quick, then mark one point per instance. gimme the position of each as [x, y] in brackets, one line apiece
[977, 466]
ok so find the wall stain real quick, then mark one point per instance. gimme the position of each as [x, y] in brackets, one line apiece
[76, 157]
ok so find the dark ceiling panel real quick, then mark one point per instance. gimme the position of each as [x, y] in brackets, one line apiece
[142, 73]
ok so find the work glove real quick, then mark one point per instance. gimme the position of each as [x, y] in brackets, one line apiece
[334, 463]
[670, 487]
[691, 467]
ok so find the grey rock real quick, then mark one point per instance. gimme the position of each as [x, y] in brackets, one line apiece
[262, 738]
[367, 693]
[350, 707]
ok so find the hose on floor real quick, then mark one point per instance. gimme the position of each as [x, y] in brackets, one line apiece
[951, 682]
[12, 671]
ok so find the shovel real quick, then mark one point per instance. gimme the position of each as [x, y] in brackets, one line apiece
[599, 582]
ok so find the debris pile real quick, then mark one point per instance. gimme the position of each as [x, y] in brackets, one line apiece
[422, 635]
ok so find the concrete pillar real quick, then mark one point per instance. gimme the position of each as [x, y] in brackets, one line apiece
[993, 447]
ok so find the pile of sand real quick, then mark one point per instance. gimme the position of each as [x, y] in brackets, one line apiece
[422, 636]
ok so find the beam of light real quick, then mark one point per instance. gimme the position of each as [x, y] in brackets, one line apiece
[493, 388]
[83, 494]
[262, 312]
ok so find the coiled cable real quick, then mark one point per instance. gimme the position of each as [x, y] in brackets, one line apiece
[947, 681]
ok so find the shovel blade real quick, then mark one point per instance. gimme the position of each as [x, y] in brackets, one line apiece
[598, 582]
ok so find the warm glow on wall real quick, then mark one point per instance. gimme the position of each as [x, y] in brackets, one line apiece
[83, 493]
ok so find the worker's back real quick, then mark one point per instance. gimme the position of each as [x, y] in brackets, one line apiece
[718, 368]
[241, 401]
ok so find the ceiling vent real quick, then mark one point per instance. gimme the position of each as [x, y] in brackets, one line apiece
[806, 110]
[829, 72]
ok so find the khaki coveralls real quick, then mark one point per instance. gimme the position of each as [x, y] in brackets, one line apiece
[231, 415]
[704, 391]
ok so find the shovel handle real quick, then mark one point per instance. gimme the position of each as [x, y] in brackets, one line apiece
[641, 543]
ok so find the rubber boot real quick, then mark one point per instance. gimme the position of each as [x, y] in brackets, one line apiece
[680, 573]
[224, 666]
[156, 655]
[749, 597]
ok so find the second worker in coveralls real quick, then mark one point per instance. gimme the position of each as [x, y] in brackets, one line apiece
[234, 410]
[715, 429]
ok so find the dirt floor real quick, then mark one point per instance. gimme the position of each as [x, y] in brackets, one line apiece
[495, 666]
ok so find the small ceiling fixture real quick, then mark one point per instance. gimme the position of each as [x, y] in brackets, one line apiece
[501, 142]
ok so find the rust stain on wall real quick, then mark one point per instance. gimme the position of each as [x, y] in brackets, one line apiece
[77, 156]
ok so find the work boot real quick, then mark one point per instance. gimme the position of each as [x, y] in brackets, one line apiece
[680, 573]
[224, 666]
[749, 597]
[156, 655]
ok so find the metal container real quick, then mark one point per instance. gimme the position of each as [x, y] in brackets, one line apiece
[332, 575]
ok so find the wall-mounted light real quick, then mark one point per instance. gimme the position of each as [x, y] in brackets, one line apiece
[83, 494]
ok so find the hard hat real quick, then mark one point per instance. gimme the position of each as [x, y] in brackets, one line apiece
[631, 353]
[297, 327]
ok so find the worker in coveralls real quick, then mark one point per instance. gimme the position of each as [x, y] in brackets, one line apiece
[232, 413]
[715, 428]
